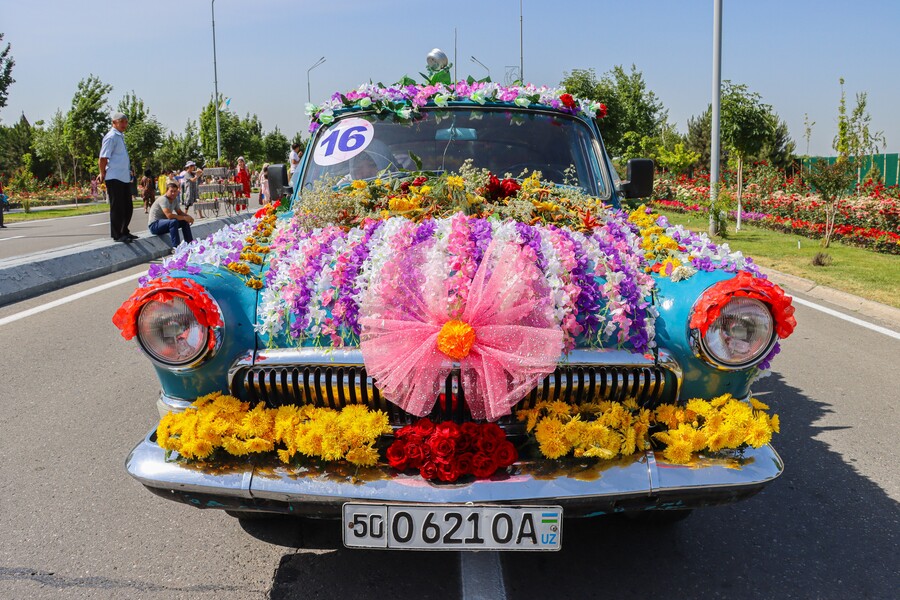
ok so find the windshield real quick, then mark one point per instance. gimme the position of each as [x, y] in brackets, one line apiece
[503, 140]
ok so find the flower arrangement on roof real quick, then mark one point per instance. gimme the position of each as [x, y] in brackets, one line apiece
[405, 98]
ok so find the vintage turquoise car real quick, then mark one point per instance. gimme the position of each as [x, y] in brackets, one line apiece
[450, 334]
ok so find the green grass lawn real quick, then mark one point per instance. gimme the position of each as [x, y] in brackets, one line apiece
[54, 213]
[854, 270]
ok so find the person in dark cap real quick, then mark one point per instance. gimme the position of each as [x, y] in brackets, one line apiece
[115, 171]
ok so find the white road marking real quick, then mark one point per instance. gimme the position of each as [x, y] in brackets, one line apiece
[481, 576]
[98, 224]
[39, 309]
[15, 237]
[848, 318]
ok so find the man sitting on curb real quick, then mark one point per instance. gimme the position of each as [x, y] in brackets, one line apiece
[166, 216]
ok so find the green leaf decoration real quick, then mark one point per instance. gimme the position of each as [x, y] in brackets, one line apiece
[416, 160]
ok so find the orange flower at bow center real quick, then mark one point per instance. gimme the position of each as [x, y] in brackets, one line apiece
[456, 339]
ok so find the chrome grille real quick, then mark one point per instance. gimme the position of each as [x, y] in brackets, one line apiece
[337, 378]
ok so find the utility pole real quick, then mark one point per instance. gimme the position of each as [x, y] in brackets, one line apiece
[716, 110]
[521, 46]
[216, 85]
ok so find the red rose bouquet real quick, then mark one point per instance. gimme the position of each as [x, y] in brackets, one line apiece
[447, 451]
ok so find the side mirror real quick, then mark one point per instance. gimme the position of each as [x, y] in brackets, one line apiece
[638, 179]
[279, 185]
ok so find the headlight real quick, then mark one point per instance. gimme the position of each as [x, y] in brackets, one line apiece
[170, 333]
[741, 335]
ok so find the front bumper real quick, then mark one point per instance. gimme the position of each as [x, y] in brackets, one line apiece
[639, 482]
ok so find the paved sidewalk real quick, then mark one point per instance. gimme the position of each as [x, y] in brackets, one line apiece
[29, 275]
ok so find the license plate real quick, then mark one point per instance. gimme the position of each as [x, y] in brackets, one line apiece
[452, 527]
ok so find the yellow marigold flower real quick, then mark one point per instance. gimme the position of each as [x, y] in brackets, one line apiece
[573, 431]
[455, 182]
[775, 423]
[359, 184]
[599, 452]
[631, 404]
[258, 422]
[716, 441]
[258, 444]
[239, 268]
[364, 456]
[234, 446]
[558, 408]
[425, 190]
[549, 434]
[456, 339]
[255, 283]
[629, 442]
[678, 453]
[758, 405]
[759, 433]
[665, 414]
[700, 407]
[285, 455]
[720, 401]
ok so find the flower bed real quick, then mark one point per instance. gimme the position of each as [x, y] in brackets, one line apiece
[870, 219]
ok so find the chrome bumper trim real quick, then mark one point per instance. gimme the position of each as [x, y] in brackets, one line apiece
[601, 483]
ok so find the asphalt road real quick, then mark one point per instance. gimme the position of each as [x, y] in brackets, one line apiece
[77, 397]
[46, 234]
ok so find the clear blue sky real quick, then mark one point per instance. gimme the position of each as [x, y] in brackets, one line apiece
[791, 51]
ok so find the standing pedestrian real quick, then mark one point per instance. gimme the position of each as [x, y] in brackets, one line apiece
[264, 184]
[161, 182]
[295, 158]
[114, 172]
[190, 184]
[147, 187]
[4, 202]
[242, 176]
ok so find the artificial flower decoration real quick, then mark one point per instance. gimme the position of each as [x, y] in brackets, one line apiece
[747, 285]
[164, 290]
[496, 323]
[405, 100]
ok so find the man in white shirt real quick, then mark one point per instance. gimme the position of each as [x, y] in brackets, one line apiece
[115, 171]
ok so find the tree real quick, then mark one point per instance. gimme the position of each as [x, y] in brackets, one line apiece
[746, 125]
[634, 112]
[275, 147]
[6, 65]
[144, 134]
[831, 181]
[678, 160]
[231, 134]
[176, 150]
[50, 142]
[87, 121]
[807, 130]
[778, 148]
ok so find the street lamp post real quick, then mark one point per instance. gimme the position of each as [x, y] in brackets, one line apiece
[308, 93]
[715, 110]
[216, 85]
[475, 60]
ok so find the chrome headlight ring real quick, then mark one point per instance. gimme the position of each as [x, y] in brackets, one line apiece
[740, 338]
[204, 349]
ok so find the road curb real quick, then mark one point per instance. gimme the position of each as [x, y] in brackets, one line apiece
[30, 275]
[861, 306]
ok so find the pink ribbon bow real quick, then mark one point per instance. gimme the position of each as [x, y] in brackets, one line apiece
[516, 340]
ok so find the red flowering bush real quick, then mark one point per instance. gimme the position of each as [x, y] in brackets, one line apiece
[447, 451]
